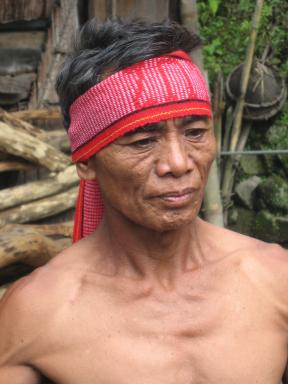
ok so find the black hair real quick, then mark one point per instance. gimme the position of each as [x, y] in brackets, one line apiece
[113, 45]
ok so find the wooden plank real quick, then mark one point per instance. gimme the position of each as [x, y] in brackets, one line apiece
[33, 39]
[44, 93]
[11, 10]
[19, 60]
[15, 88]
[64, 24]
[150, 9]
[63, 27]
[99, 9]
[25, 25]
[174, 10]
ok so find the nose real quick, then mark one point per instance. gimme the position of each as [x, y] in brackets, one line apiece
[173, 157]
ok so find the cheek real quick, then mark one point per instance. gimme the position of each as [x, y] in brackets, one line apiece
[204, 158]
[117, 174]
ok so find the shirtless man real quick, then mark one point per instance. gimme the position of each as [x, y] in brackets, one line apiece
[155, 295]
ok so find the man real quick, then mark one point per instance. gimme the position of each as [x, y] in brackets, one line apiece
[149, 293]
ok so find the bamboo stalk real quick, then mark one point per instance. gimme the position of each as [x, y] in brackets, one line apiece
[227, 128]
[236, 130]
[218, 109]
[212, 199]
[228, 174]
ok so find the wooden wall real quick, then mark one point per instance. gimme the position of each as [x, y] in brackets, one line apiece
[12, 10]
[36, 35]
[150, 9]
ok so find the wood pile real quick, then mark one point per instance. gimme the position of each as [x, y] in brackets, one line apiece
[26, 147]
[38, 183]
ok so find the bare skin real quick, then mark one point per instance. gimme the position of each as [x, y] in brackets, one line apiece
[155, 295]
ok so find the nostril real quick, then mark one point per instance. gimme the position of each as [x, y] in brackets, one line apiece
[175, 164]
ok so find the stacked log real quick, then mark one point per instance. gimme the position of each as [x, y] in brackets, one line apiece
[24, 146]
[40, 184]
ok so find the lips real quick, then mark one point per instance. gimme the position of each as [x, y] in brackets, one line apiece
[177, 198]
[176, 193]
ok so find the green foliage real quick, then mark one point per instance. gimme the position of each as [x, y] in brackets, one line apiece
[277, 138]
[226, 25]
[214, 4]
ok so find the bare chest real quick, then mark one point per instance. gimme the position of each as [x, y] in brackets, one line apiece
[199, 339]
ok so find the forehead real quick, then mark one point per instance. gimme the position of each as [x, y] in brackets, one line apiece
[178, 121]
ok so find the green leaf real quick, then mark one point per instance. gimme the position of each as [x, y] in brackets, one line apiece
[214, 4]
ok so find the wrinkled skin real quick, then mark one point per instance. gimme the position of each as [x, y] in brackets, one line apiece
[155, 295]
[137, 170]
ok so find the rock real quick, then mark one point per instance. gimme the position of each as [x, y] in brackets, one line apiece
[252, 165]
[245, 190]
[241, 220]
[273, 194]
[277, 138]
[271, 228]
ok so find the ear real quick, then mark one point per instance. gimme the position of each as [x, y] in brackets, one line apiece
[86, 170]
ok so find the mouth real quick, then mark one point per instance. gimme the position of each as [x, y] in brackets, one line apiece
[177, 198]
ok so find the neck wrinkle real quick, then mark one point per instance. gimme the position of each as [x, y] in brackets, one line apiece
[147, 254]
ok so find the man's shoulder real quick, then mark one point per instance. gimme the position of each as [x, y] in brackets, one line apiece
[17, 323]
[257, 258]
[233, 242]
[30, 306]
[265, 265]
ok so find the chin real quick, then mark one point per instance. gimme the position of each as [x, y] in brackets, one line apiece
[170, 222]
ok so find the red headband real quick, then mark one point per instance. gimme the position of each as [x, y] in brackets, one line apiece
[152, 90]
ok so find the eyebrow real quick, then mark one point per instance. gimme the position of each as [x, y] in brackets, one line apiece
[193, 119]
[146, 128]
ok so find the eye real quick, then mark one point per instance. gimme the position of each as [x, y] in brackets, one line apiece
[143, 143]
[195, 134]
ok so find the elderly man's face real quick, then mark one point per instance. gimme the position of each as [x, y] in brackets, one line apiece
[155, 176]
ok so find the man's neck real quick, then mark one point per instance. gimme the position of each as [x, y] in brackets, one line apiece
[158, 256]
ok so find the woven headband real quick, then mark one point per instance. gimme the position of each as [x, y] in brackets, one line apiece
[152, 90]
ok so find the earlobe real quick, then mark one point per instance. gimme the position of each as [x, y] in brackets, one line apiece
[86, 171]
